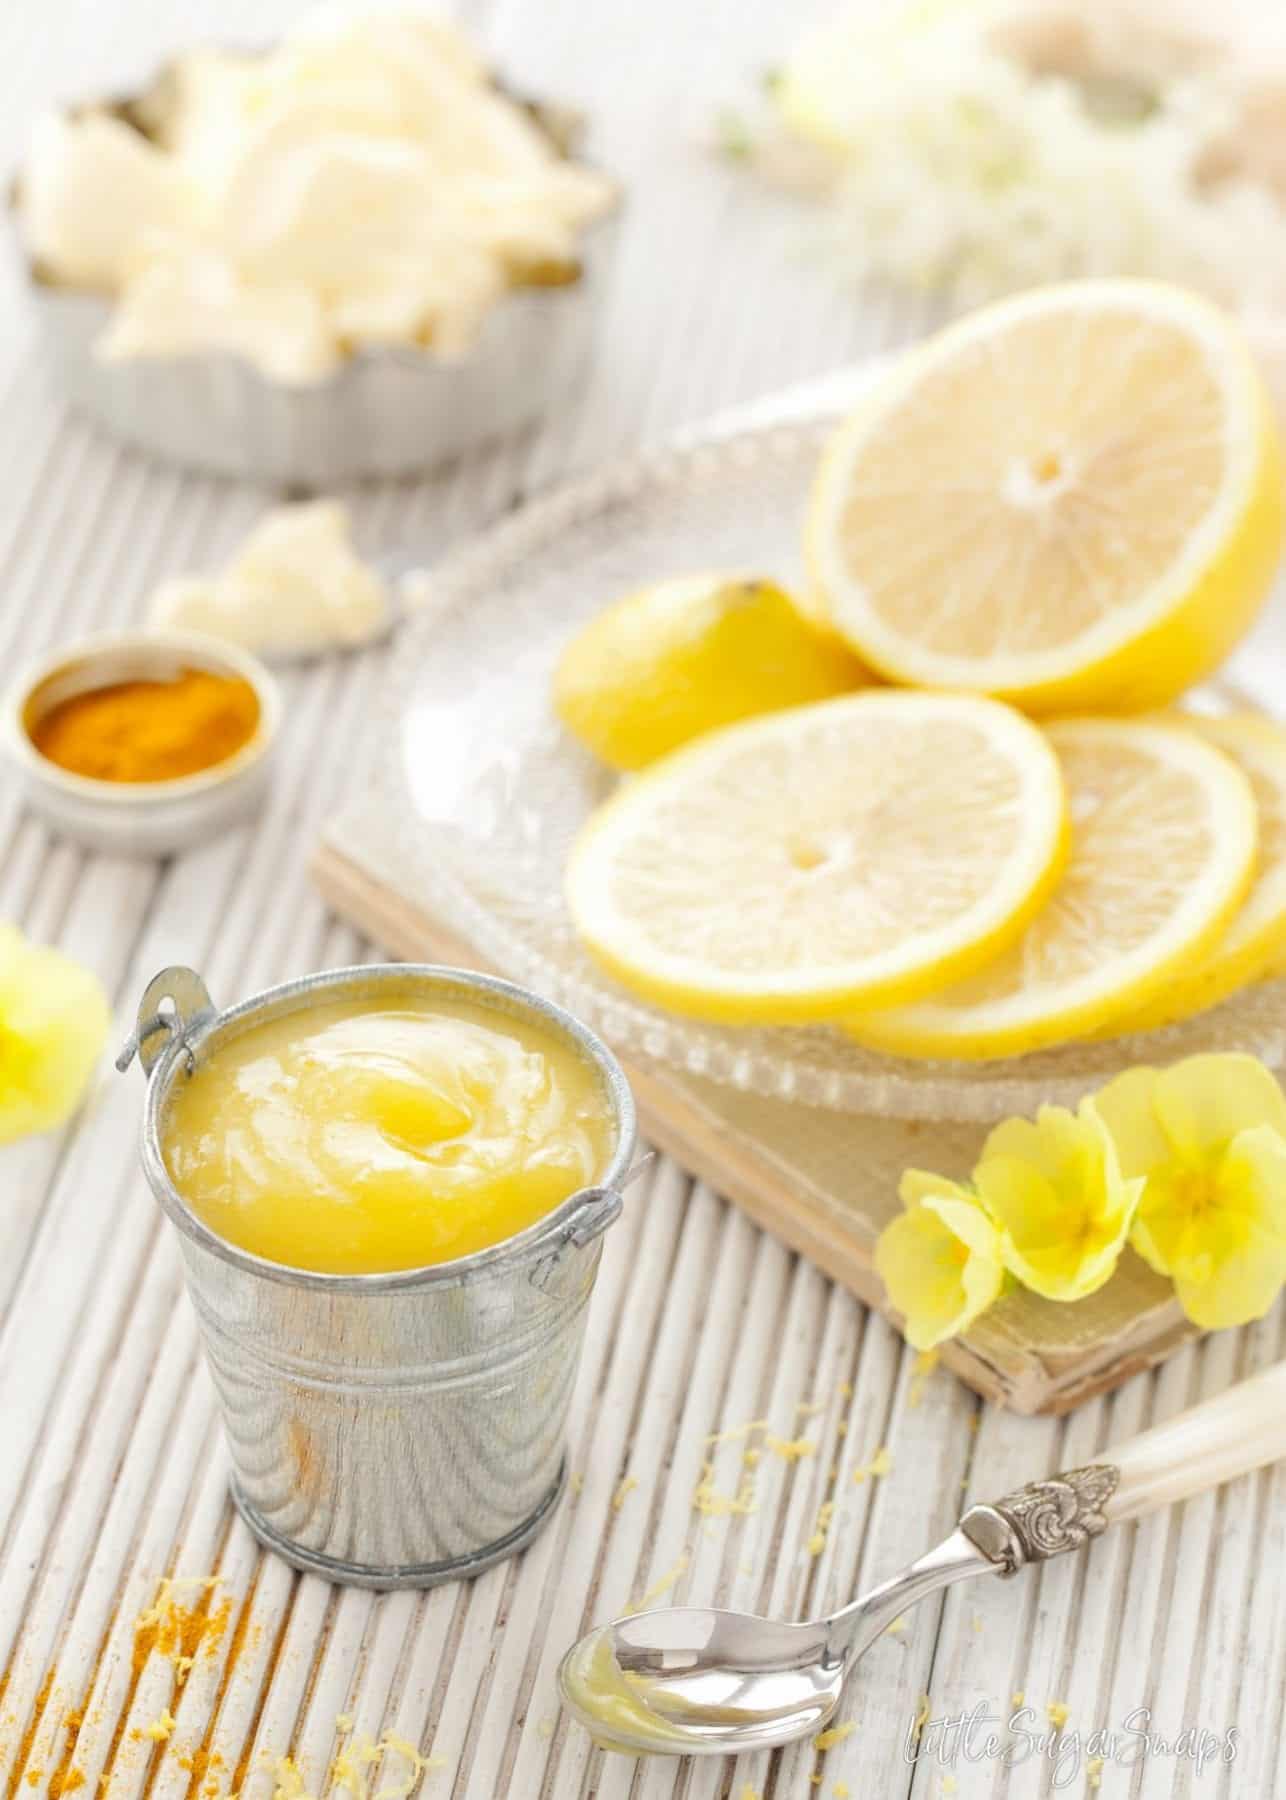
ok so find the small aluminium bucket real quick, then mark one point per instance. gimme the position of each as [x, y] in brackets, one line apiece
[402, 1429]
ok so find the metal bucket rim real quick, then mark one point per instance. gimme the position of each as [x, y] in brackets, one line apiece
[527, 1245]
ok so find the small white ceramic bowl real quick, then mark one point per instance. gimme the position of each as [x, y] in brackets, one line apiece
[143, 818]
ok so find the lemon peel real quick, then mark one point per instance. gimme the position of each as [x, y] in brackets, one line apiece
[685, 656]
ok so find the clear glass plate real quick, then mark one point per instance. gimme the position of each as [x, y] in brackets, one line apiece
[483, 792]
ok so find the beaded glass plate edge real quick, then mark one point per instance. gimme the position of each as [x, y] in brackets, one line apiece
[476, 792]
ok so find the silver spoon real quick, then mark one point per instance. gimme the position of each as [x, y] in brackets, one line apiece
[700, 1681]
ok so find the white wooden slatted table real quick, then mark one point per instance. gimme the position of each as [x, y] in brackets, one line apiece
[112, 1475]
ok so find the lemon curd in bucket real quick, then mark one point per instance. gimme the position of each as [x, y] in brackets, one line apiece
[365, 1137]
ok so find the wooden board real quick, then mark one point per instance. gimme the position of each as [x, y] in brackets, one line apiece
[823, 1182]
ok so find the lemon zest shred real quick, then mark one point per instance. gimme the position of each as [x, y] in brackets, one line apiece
[790, 1449]
[664, 1582]
[707, 1499]
[289, 1780]
[880, 1464]
[735, 1432]
[821, 1530]
[416, 1765]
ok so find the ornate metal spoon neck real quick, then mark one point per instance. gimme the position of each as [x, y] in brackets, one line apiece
[1044, 1518]
[997, 1538]
[854, 1627]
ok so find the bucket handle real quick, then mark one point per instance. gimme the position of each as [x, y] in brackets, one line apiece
[173, 1005]
[598, 1207]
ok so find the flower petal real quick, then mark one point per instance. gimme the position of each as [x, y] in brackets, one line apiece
[966, 1220]
[1023, 1201]
[1046, 1144]
[54, 1018]
[1204, 1102]
[1242, 1284]
[1056, 1190]
[1157, 1230]
[1253, 1176]
[932, 1277]
[918, 1185]
[1127, 1108]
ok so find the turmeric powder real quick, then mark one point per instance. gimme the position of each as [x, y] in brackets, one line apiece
[135, 731]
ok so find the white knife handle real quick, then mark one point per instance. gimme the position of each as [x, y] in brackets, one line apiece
[1241, 1429]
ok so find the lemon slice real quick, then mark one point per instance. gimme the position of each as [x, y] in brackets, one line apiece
[1162, 855]
[788, 867]
[1255, 942]
[1072, 499]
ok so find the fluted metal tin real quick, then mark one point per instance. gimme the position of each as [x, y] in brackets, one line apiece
[389, 1430]
[387, 411]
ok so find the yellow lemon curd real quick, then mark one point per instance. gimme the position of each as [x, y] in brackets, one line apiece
[620, 1702]
[358, 1138]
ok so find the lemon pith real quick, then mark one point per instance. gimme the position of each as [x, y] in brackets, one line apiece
[1072, 500]
[1164, 836]
[780, 870]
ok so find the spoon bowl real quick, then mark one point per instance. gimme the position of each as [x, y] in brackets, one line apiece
[688, 1679]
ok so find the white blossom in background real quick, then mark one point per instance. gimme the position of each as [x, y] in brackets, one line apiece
[968, 150]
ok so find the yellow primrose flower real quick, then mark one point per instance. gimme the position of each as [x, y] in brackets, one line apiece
[1208, 1138]
[1055, 1189]
[54, 1018]
[939, 1260]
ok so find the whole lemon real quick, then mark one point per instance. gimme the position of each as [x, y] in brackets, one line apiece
[687, 655]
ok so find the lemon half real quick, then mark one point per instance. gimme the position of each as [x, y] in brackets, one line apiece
[786, 869]
[1072, 500]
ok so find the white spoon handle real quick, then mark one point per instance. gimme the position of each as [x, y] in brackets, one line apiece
[1238, 1430]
